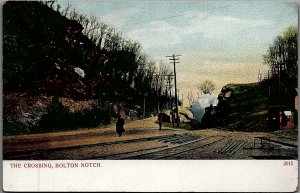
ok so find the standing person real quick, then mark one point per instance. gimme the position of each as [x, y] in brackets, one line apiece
[160, 120]
[173, 117]
[120, 125]
[283, 120]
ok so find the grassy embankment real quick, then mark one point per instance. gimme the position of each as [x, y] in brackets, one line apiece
[245, 110]
[247, 107]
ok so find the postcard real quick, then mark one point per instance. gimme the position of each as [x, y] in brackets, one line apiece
[150, 96]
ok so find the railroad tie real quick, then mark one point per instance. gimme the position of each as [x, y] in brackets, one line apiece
[227, 146]
[233, 145]
[239, 148]
[238, 142]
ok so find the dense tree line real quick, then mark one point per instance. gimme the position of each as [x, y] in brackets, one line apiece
[282, 57]
[43, 45]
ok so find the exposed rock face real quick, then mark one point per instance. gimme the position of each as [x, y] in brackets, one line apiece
[25, 109]
[39, 112]
[29, 111]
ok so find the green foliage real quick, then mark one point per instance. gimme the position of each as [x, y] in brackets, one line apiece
[284, 51]
[282, 57]
[207, 87]
[246, 109]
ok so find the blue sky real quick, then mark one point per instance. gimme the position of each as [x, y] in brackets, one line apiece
[194, 25]
[220, 36]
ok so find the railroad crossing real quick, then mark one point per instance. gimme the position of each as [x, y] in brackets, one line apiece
[139, 143]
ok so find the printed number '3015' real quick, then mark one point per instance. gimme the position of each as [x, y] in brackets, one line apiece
[288, 163]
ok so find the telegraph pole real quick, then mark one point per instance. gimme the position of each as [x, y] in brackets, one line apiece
[182, 100]
[169, 83]
[259, 77]
[144, 110]
[174, 60]
[157, 95]
[171, 103]
[178, 95]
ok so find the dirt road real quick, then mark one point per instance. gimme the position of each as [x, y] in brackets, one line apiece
[143, 140]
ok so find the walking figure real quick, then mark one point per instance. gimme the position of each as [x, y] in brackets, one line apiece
[120, 125]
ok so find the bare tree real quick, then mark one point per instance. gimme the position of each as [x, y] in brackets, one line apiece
[102, 31]
[163, 71]
[65, 12]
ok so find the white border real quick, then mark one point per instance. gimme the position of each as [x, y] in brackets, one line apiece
[204, 175]
[156, 176]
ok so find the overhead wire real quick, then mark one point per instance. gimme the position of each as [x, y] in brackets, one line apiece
[174, 16]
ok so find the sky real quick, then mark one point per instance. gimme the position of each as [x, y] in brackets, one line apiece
[221, 41]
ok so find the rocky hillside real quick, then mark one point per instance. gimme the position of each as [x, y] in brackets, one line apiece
[27, 114]
[55, 76]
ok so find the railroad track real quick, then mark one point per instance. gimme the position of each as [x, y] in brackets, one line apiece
[233, 147]
[165, 153]
[42, 153]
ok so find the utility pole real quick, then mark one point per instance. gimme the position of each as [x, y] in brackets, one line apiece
[166, 93]
[269, 85]
[169, 83]
[171, 103]
[279, 76]
[178, 95]
[259, 76]
[157, 95]
[182, 100]
[174, 60]
[144, 110]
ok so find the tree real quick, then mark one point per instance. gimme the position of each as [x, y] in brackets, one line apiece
[207, 87]
[282, 57]
[163, 71]
[63, 39]
[283, 54]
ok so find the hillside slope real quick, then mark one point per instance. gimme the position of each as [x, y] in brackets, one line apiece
[244, 107]
[52, 72]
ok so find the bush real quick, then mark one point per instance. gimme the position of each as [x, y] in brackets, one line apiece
[59, 117]
[11, 128]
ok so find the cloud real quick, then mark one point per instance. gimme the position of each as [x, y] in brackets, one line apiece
[156, 34]
[231, 30]
[195, 14]
[219, 27]
[121, 17]
[224, 57]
